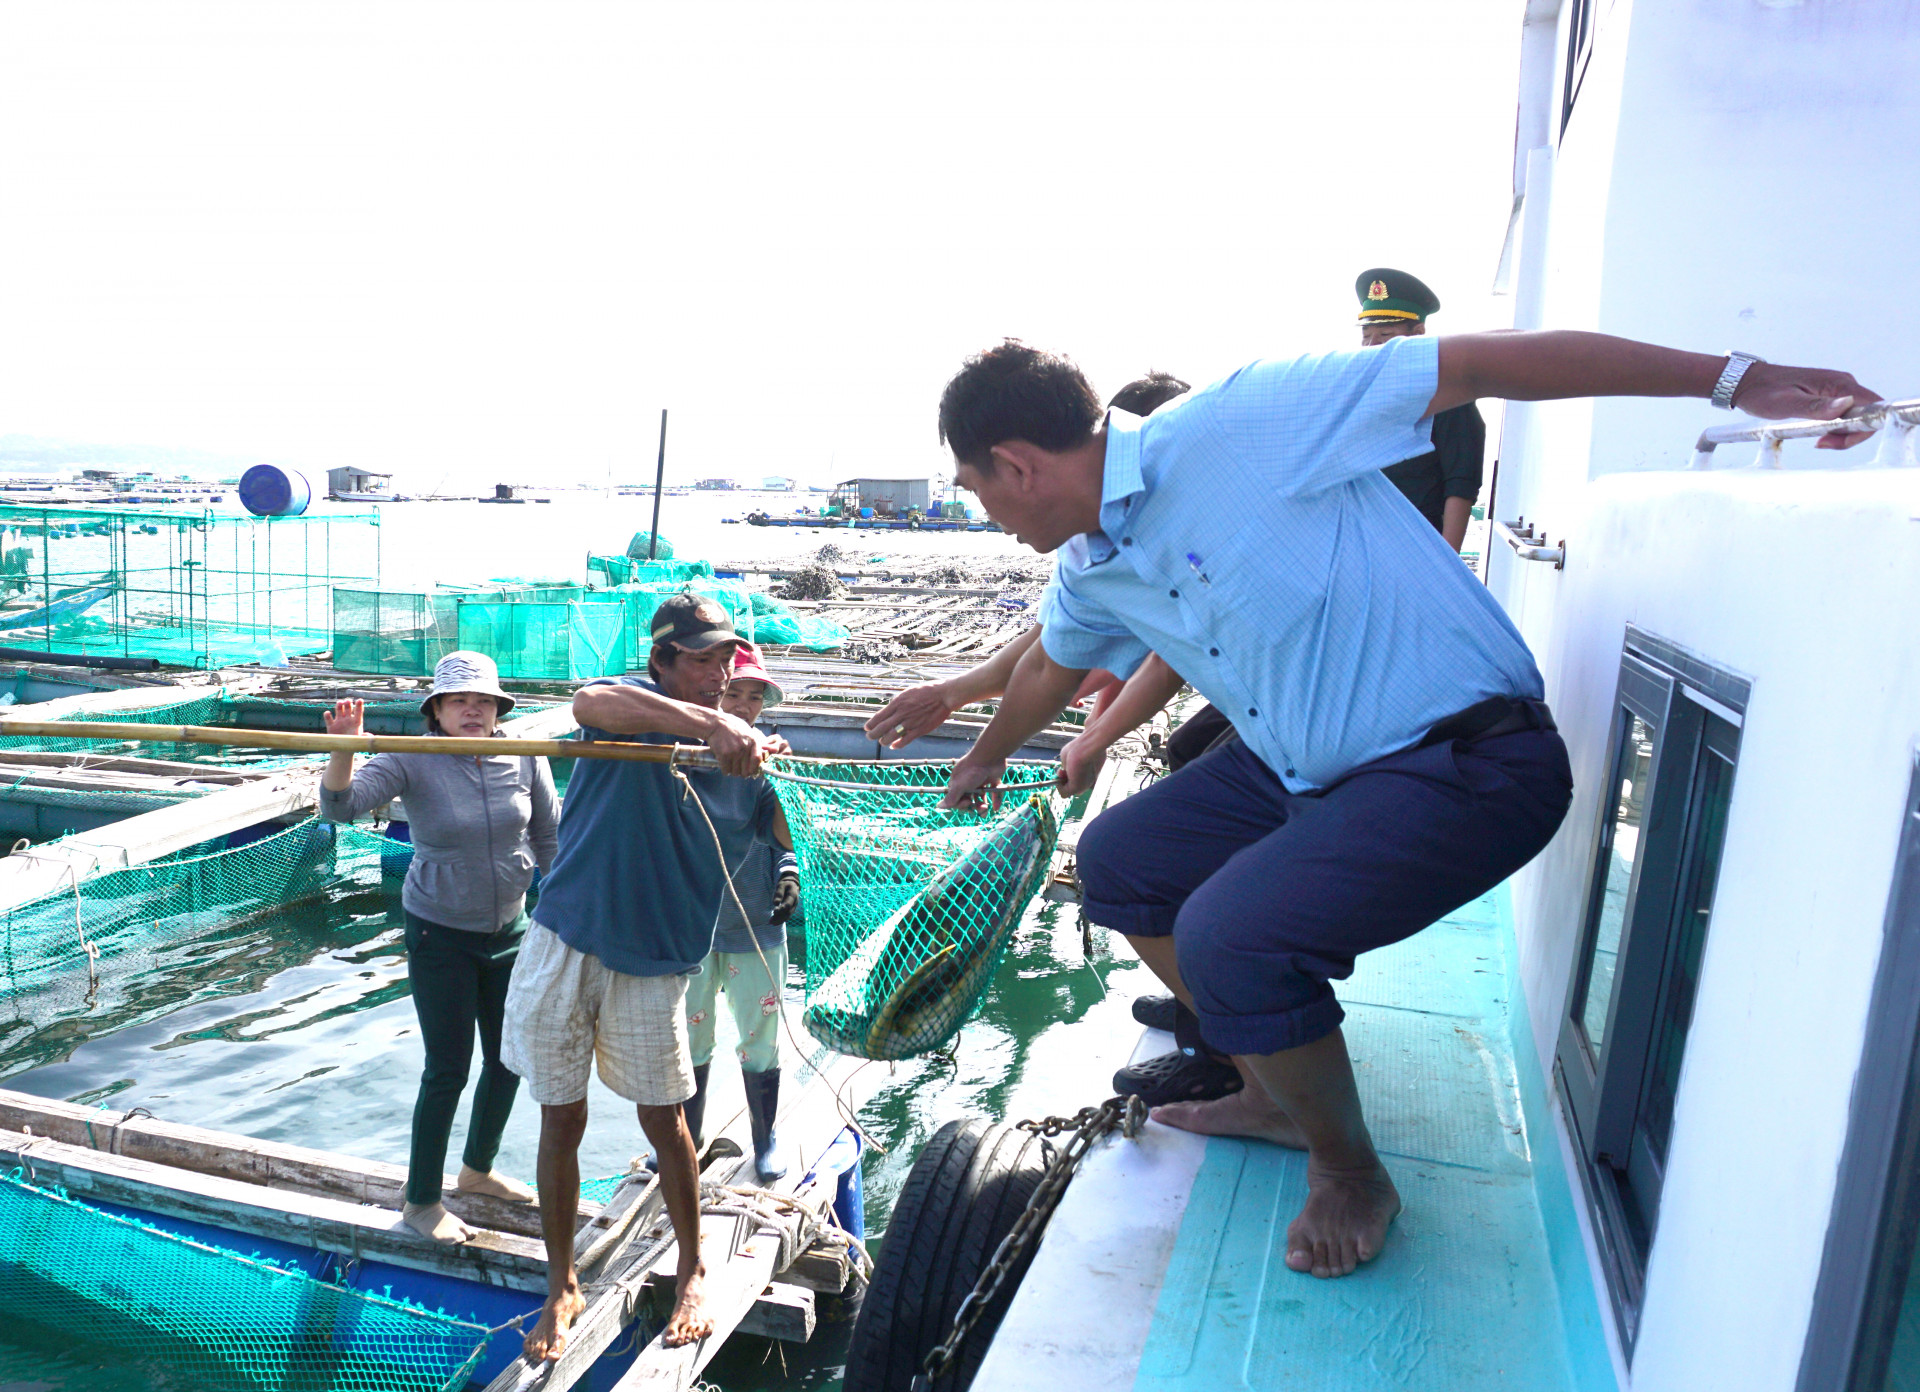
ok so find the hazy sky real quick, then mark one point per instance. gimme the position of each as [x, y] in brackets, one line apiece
[473, 241]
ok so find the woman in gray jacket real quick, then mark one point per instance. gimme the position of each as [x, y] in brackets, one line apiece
[480, 826]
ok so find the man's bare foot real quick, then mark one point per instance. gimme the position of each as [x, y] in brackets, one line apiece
[474, 1181]
[689, 1323]
[432, 1220]
[1344, 1221]
[549, 1336]
[1248, 1112]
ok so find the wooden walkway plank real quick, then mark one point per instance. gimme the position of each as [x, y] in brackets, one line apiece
[329, 1225]
[272, 1164]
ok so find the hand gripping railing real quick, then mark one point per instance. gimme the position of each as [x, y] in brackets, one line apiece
[1894, 419]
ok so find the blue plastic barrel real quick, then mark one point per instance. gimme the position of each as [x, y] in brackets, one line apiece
[842, 1158]
[267, 490]
[866, 512]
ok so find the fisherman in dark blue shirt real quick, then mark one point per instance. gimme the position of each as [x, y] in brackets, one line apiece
[625, 915]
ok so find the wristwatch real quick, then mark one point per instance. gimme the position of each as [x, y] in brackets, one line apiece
[1730, 375]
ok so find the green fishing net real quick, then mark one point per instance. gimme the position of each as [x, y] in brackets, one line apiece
[97, 1279]
[554, 640]
[909, 908]
[86, 948]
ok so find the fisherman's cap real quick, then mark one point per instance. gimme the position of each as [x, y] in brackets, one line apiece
[747, 666]
[466, 671]
[692, 622]
[1390, 296]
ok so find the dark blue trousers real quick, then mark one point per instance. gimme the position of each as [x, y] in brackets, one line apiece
[1269, 895]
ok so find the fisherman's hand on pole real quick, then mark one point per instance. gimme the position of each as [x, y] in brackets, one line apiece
[974, 785]
[736, 745]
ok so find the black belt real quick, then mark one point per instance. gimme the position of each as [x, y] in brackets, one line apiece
[1497, 715]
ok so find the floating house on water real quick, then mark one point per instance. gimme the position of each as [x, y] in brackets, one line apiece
[887, 497]
[350, 485]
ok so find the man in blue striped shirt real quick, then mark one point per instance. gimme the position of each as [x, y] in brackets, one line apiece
[1396, 758]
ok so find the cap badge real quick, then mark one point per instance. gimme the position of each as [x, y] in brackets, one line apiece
[1377, 290]
[709, 613]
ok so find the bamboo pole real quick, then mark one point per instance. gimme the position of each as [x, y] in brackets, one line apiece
[690, 756]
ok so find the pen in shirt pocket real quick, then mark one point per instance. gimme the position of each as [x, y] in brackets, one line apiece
[1193, 563]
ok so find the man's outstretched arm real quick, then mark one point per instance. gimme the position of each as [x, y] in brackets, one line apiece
[1038, 691]
[1557, 364]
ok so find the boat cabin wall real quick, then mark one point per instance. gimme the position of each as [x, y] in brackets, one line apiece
[1731, 174]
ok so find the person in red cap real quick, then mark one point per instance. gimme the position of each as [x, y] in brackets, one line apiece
[749, 957]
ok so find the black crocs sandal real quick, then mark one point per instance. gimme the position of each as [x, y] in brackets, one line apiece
[1178, 1077]
[1158, 1012]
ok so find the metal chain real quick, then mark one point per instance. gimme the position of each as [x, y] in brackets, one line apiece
[1088, 1125]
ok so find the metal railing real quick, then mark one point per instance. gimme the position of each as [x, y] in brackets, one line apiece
[1895, 420]
[1519, 535]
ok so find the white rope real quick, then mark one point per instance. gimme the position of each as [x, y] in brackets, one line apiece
[779, 986]
[87, 944]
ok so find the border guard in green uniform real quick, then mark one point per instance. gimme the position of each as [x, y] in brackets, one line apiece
[1444, 483]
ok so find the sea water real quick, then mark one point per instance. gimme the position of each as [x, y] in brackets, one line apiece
[300, 1028]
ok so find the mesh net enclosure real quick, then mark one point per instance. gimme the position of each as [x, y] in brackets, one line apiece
[637, 570]
[186, 586]
[125, 920]
[909, 908]
[393, 632]
[212, 709]
[101, 1279]
[546, 640]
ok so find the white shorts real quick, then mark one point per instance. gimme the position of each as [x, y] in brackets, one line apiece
[565, 1008]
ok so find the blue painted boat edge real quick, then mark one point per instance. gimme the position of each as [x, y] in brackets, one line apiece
[1589, 1354]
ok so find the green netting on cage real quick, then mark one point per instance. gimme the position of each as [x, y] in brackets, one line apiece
[909, 908]
[198, 710]
[774, 622]
[100, 1279]
[84, 947]
[628, 570]
[396, 632]
[650, 546]
[546, 641]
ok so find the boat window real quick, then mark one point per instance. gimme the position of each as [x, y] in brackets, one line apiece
[1636, 763]
[1650, 902]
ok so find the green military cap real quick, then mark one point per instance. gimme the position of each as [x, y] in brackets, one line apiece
[1389, 294]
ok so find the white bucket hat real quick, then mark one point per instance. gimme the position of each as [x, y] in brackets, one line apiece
[466, 671]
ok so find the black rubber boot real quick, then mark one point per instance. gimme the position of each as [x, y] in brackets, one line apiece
[695, 1106]
[763, 1104]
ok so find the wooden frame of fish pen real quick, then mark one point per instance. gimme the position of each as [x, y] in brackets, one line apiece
[189, 587]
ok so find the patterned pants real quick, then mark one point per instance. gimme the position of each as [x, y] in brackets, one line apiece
[752, 996]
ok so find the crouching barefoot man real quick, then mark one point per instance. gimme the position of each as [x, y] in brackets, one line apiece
[1396, 759]
[625, 915]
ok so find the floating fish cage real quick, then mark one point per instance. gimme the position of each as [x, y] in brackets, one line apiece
[543, 632]
[190, 589]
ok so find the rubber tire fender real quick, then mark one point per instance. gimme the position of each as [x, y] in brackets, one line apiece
[967, 1189]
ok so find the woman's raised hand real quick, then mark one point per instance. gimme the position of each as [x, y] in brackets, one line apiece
[346, 718]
